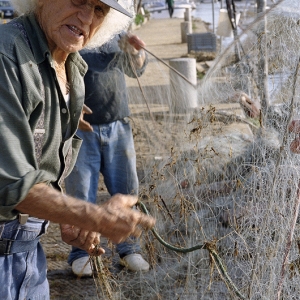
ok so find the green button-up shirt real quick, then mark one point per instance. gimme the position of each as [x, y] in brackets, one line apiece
[29, 89]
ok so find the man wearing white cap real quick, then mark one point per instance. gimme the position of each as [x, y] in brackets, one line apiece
[41, 99]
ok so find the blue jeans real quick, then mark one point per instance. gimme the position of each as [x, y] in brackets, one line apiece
[24, 275]
[108, 150]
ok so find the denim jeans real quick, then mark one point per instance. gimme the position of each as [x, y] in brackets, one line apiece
[108, 150]
[24, 275]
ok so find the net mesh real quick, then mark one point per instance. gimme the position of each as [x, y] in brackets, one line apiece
[218, 175]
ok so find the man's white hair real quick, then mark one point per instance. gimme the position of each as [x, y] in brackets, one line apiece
[114, 23]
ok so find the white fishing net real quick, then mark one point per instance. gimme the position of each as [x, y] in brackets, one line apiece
[216, 177]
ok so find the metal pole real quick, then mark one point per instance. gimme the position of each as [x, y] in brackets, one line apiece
[263, 61]
[213, 14]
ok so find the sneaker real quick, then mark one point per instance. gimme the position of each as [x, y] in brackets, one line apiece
[82, 267]
[135, 262]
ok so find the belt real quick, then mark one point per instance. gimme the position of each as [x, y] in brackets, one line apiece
[23, 218]
[8, 246]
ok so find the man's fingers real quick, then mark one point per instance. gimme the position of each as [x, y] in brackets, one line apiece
[124, 220]
[126, 200]
[147, 222]
[129, 41]
[143, 221]
[97, 239]
[295, 145]
[85, 126]
[95, 250]
[86, 110]
[136, 42]
[85, 237]
[294, 126]
[69, 232]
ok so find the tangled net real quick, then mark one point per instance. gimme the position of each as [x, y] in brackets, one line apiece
[220, 175]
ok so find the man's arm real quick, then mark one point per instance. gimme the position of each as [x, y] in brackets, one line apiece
[114, 219]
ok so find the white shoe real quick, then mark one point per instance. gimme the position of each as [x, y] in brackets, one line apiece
[135, 262]
[82, 267]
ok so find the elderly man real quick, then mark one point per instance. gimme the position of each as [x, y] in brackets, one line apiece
[41, 98]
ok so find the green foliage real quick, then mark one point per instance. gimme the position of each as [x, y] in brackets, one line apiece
[139, 19]
[200, 75]
[194, 26]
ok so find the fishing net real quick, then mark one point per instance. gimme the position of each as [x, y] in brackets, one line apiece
[221, 177]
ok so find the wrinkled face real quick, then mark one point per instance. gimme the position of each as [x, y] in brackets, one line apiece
[70, 24]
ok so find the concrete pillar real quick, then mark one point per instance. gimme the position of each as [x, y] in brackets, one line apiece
[183, 94]
[186, 28]
[188, 15]
[142, 11]
[224, 28]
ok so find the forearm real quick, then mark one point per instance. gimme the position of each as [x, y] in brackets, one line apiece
[47, 203]
[115, 219]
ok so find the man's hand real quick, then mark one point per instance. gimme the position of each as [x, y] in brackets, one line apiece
[131, 44]
[84, 125]
[136, 42]
[83, 239]
[119, 220]
[294, 127]
[114, 219]
[251, 106]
